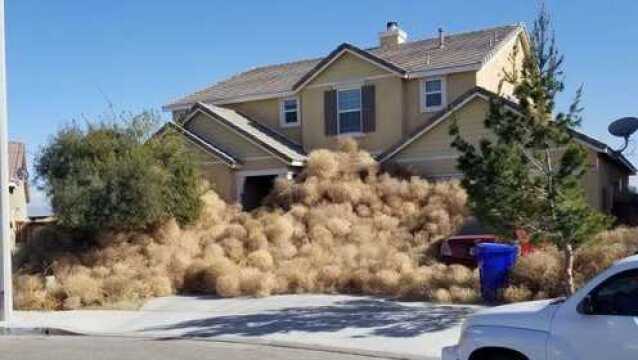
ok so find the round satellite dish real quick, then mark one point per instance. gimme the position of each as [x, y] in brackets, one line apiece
[624, 127]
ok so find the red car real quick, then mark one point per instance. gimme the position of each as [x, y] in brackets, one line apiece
[460, 249]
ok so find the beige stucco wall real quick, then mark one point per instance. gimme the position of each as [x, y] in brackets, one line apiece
[348, 67]
[220, 178]
[456, 85]
[436, 142]
[491, 75]
[432, 156]
[267, 112]
[214, 172]
[609, 177]
[591, 181]
[263, 164]
[388, 108]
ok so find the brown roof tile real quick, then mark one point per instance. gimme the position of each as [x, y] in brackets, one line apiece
[460, 49]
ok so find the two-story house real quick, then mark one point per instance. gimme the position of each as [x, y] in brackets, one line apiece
[396, 99]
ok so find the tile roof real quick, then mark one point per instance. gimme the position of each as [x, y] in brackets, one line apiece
[460, 49]
[272, 141]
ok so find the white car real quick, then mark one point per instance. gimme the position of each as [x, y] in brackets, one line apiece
[598, 322]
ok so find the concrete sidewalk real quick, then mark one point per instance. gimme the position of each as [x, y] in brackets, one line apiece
[361, 324]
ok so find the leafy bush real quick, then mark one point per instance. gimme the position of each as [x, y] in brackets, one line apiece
[115, 176]
[539, 274]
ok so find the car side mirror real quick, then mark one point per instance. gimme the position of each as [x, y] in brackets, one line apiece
[586, 306]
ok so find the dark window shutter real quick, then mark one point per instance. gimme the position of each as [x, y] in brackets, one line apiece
[368, 109]
[330, 112]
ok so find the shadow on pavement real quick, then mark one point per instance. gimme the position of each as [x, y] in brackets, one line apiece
[383, 318]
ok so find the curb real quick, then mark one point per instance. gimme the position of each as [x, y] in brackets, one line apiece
[310, 347]
[45, 331]
[13, 331]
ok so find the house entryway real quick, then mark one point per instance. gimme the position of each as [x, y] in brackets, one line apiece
[254, 185]
[256, 188]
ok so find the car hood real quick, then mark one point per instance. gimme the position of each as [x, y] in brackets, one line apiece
[532, 315]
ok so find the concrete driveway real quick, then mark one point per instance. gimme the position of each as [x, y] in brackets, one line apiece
[364, 325]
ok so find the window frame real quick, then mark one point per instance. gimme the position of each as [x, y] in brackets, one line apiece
[283, 112]
[423, 94]
[359, 110]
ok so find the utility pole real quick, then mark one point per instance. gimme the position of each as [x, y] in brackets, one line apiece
[6, 294]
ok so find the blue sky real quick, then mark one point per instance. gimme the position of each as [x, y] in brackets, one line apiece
[69, 59]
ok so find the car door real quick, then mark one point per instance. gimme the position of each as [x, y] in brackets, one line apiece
[603, 325]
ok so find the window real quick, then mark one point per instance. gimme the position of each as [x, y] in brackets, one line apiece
[433, 94]
[289, 112]
[617, 296]
[349, 111]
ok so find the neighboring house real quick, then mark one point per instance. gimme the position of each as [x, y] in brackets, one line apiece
[396, 99]
[18, 187]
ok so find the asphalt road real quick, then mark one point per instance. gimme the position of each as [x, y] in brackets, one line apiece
[119, 348]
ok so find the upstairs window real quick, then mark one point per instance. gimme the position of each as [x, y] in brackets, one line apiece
[433, 94]
[289, 112]
[349, 111]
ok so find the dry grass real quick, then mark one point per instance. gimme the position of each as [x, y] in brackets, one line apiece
[341, 227]
[539, 275]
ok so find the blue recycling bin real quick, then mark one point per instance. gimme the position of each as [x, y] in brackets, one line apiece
[495, 262]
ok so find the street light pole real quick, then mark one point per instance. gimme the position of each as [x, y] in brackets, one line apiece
[6, 296]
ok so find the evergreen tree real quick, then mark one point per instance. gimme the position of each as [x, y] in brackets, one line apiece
[528, 175]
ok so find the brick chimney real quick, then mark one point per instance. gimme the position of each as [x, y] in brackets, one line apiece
[393, 35]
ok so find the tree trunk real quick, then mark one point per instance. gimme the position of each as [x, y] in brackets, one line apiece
[569, 269]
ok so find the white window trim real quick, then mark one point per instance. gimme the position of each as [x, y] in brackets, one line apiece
[282, 113]
[360, 110]
[422, 94]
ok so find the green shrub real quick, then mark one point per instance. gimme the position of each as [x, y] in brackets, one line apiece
[114, 175]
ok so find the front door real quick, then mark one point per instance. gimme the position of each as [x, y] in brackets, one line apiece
[607, 330]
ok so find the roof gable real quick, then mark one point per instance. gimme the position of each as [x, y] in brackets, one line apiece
[252, 132]
[343, 52]
[206, 145]
[486, 95]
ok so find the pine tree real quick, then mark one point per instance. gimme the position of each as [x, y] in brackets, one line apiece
[528, 176]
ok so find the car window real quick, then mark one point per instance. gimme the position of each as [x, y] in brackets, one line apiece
[617, 296]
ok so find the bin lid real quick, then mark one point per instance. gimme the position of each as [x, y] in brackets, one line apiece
[494, 248]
